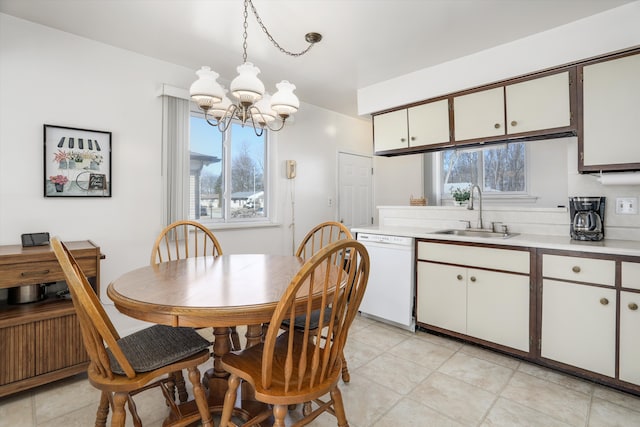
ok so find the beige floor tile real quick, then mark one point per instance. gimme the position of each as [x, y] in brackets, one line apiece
[409, 413]
[397, 374]
[366, 401]
[491, 356]
[506, 413]
[477, 372]
[454, 398]
[17, 410]
[606, 414]
[62, 397]
[549, 398]
[379, 336]
[440, 340]
[566, 380]
[359, 353]
[627, 400]
[422, 352]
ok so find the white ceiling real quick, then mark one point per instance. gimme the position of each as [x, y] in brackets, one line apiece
[364, 41]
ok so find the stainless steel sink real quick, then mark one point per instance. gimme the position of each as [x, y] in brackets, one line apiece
[477, 233]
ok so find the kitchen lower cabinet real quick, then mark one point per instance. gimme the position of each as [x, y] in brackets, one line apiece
[489, 305]
[579, 325]
[630, 337]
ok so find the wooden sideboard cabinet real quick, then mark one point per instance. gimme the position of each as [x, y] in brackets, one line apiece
[40, 342]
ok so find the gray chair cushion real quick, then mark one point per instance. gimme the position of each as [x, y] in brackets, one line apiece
[158, 346]
[299, 321]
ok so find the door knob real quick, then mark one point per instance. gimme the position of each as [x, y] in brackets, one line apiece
[633, 306]
[604, 301]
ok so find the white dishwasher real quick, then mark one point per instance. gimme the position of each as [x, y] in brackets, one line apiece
[390, 290]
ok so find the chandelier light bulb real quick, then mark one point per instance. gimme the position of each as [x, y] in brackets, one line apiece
[219, 110]
[284, 101]
[206, 91]
[247, 87]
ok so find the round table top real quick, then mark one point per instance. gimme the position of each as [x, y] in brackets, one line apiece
[229, 290]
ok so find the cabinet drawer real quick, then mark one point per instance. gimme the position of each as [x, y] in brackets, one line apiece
[39, 272]
[475, 256]
[631, 275]
[587, 270]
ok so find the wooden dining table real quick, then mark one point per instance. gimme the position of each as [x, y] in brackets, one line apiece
[217, 292]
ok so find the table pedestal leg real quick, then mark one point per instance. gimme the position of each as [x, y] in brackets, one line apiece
[216, 378]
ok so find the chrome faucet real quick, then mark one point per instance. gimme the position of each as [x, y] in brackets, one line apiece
[470, 207]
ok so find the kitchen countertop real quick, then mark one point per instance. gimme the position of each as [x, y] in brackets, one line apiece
[606, 246]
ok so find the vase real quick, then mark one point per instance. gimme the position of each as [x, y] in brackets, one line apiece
[59, 187]
[461, 203]
[63, 164]
[72, 164]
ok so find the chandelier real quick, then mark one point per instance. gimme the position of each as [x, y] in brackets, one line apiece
[251, 102]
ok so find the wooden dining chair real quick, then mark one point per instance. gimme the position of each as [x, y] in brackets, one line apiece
[298, 365]
[122, 367]
[317, 238]
[185, 239]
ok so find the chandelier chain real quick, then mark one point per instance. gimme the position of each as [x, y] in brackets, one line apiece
[269, 36]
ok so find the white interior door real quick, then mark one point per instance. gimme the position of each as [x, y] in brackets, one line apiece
[355, 190]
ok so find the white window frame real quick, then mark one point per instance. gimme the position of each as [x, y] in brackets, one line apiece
[496, 197]
[268, 182]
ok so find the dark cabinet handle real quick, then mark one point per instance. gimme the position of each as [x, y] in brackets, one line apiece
[34, 273]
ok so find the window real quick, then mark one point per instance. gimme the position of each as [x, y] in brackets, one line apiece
[499, 170]
[227, 173]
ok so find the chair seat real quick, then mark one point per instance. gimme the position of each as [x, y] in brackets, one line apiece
[314, 320]
[157, 346]
[247, 364]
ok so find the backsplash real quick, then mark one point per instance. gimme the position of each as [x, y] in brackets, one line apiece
[539, 221]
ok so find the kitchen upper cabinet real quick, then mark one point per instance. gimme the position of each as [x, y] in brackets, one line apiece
[542, 103]
[534, 105]
[479, 114]
[424, 125]
[610, 116]
[453, 294]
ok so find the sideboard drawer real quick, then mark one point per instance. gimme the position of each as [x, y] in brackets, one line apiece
[32, 273]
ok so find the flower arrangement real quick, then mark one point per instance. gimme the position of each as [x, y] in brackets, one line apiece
[60, 156]
[76, 156]
[97, 158]
[460, 195]
[59, 179]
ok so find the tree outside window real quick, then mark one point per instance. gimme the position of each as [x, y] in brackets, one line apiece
[499, 169]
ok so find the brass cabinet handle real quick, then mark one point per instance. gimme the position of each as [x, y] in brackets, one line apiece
[402, 139]
[497, 126]
[413, 138]
[472, 278]
[514, 123]
[633, 306]
[575, 269]
[604, 301]
[34, 273]
[459, 277]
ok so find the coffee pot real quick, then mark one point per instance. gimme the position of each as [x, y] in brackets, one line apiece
[587, 218]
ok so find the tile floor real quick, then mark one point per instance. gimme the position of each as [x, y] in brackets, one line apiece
[397, 378]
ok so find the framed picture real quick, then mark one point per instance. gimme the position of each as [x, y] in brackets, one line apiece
[77, 162]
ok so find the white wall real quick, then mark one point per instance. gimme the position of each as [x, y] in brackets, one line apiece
[48, 76]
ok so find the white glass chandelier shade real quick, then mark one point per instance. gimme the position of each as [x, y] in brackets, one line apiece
[219, 110]
[284, 101]
[206, 91]
[262, 113]
[247, 87]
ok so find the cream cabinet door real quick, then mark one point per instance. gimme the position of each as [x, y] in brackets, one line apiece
[579, 325]
[429, 123]
[542, 103]
[611, 112]
[390, 130]
[630, 337]
[479, 114]
[442, 296]
[498, 308]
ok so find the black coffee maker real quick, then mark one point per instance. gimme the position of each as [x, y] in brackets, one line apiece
[587, 218]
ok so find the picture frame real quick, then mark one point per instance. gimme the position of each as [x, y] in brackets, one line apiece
[77, 162]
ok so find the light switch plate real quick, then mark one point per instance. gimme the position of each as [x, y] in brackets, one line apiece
[627, 205]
